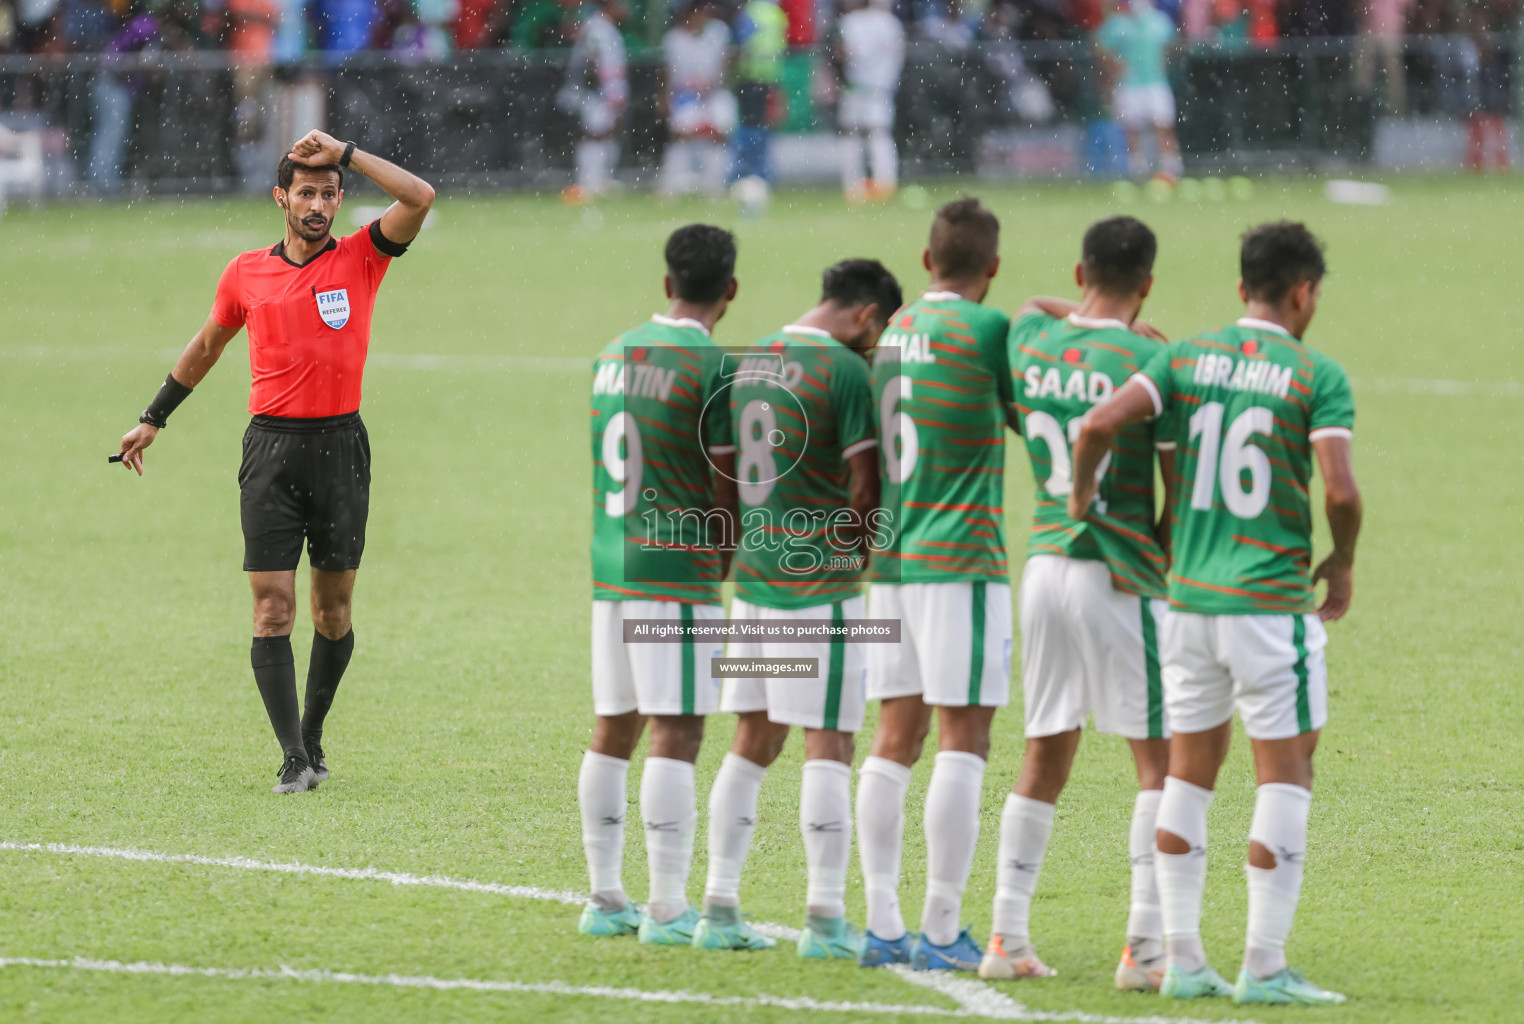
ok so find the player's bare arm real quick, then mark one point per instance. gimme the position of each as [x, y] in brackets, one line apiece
[1167, 474]
[1344, 509]
[727, 502]
[194, 363]
[1047, 306]
[403, 219]
[1098, 430]
[864, 494]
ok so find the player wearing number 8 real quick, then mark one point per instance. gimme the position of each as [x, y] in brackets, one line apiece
[1249, 406]
[1091, 593]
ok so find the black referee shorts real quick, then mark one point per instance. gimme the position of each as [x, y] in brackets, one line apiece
[308, 479]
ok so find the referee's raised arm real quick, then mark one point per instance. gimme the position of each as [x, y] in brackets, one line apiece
[403, 219]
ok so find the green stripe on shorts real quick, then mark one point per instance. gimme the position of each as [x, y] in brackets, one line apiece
[834, 670]
[688, 686]
[1303, 705]
[976, 654]
[1151, 667]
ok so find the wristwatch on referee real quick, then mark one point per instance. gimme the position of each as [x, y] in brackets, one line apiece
[349, 152]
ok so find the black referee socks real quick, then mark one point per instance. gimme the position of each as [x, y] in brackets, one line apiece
[275, 674]
[329, 660]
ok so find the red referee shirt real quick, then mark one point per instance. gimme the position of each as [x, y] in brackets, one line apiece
[309, 325]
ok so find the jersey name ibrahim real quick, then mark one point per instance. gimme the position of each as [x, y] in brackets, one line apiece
[1244, 405]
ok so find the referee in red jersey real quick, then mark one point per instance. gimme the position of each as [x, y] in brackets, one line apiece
[307, 303]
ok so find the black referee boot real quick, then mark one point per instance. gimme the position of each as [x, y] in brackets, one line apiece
[316, 759]
[296, 776]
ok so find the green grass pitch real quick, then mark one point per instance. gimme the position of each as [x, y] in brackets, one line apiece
[128, 717]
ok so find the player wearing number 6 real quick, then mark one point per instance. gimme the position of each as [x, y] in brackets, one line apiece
[1249, 406]
[663, 510]
[941, 388]
[1091, 593]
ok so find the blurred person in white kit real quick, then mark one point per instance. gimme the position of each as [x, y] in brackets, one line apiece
[701, 111]
[597, 89]
[870, 55]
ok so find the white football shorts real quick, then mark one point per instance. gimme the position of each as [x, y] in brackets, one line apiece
[834, 700]
[665, 678]
[865, 110]
[1269, 667]
[955, 643]
[1144, 106]
[715, 111]
[1089, 649]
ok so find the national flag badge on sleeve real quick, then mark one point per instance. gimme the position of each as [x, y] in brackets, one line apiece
[333, 306]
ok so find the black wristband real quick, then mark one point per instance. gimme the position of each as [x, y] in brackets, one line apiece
[171, 394]
[349, 152]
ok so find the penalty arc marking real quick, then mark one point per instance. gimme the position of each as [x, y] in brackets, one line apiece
[975, 999]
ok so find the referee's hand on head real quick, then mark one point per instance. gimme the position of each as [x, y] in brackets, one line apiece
[133, 444]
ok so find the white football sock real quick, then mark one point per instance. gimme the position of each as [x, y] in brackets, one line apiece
[588, 167]
[1182, 876]
[852, 169]
[1279, 825]
[666, 805]
[676, 168]
[714, 161]
[732, 820]
[608, 161]
[601, 796]
[881, 786]
[825, 818]
[884, 158]
[1025, 827]
[1145, 920]
[952, 831]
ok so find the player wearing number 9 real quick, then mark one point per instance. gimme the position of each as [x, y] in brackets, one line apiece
[1249, 406]
[663, 512]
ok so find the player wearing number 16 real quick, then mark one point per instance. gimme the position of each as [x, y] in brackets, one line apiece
[307, 303]
[1249, 407]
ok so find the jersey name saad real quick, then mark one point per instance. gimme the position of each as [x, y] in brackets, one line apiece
[1255, 375]
[1086, 386]
[650, 381]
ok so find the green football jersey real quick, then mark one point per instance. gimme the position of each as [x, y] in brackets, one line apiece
[652, 485]
[801, 406]
[941, 385]
[1060, 369]
[1244, 404]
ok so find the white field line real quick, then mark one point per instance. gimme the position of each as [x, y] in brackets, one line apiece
[557, 988]
[436, 362]
[974, 998]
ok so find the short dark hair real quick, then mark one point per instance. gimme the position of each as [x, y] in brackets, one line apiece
[965, 239]
[285, 171]
[701, 260]
[859, 283]
[1118, 255]
[1277, 257]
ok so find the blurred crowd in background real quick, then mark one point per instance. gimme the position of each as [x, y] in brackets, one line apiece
[284, 31]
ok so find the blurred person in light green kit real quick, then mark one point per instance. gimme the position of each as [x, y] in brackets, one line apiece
[1135, 37]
